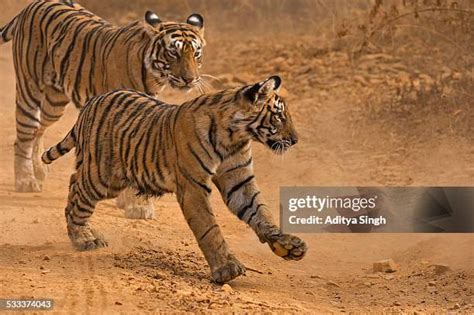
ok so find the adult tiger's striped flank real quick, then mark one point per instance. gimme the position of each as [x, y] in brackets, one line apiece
[157, 148]
[63, 53]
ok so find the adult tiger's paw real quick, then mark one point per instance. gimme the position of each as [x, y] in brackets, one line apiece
[287, 246]
[230, 270]
[140, 212]
[28, 184]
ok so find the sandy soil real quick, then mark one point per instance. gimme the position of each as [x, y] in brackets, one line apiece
[156, 265]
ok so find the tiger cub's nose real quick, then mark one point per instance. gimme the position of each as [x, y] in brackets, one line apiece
[293, 140]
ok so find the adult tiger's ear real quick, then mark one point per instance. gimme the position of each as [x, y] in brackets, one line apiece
[197, 21]
[152, 18]
[262, 91]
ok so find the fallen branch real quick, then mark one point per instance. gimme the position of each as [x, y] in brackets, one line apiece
[254, 270]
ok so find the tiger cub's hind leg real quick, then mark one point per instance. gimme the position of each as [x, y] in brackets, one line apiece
[80, 207]
[200, 218]
[136, 207]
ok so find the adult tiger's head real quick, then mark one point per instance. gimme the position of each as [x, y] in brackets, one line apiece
[176, 51]
[268, 119]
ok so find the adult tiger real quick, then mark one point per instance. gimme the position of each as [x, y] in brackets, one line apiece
[158, 148]
[64, 53]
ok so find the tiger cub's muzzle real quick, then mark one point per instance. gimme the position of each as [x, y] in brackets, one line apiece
[282, 145]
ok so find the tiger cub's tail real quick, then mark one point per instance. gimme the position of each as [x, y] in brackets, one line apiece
[60, 149]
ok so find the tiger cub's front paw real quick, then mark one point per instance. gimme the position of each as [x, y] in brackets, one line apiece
[230, 270]
[287, 246]
[85, 238]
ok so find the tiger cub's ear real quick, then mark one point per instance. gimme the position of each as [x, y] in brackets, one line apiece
[152, 18]
[259, 93]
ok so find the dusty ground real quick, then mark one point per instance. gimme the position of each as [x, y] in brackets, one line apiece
[156, 265]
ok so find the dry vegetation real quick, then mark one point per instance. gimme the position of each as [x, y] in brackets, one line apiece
[399, 61]
[430, 47]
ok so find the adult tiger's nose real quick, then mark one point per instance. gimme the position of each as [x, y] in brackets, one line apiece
[187, 80]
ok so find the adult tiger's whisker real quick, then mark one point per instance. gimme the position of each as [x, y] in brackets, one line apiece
[201, 90]
[201, 87]
[206, 85]
[212, 77]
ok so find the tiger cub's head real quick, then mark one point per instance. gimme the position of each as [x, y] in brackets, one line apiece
[177, 49]
[268, 119]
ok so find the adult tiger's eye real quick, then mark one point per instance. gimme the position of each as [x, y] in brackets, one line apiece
[172, 53]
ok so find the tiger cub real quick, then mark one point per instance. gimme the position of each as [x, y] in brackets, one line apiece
[128, 139]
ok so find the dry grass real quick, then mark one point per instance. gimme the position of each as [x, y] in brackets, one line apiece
[434, 40]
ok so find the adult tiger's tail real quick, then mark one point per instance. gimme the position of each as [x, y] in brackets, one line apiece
[7, 31]
[60, 149]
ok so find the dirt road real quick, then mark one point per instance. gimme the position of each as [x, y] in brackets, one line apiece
[157, 266]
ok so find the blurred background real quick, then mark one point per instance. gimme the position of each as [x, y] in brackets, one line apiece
[403, 65]
[397, 61]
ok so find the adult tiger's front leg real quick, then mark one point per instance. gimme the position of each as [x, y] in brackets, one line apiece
[237, 185]
[197, 211]
[135, 207]
[53, 105]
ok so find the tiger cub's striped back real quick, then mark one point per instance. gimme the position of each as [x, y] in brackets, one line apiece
[158, 148]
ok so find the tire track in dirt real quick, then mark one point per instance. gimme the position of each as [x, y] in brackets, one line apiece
[86, 291]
